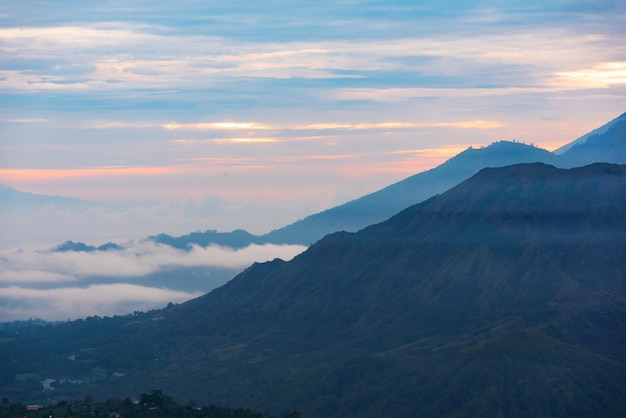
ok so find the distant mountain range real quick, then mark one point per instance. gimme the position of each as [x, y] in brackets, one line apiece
[605, 144]
[504, 296]
[380, 205]
[24, 202]
[609, 133]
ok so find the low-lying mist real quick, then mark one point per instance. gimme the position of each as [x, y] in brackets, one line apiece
[143, 275]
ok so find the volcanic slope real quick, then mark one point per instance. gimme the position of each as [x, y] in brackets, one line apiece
[505, 296]
[605, 144]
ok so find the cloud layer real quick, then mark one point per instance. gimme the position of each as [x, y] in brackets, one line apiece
[58, 285]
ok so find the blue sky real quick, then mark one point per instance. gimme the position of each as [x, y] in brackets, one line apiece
[221, 115]
[176, 116]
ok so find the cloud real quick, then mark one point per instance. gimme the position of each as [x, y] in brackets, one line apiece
[408, 93]
[28, 120]
[329, 126]
[53, 174]
[18, 303]
[136, 259]
[37, 283]
[257, 140]
[217, 126]
[122, 56]
[447, 151]
[601, 75]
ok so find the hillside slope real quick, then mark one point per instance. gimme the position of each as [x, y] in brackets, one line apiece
[605, 144]
[504, 296]
[381, 205]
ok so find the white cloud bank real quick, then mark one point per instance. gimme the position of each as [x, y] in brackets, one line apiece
[36, 283]
[21, 266]
[18, 303]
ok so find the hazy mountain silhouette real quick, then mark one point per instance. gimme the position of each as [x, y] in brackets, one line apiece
[14, 200]
[381, 205]
[378, 206]
[69, 246]
[605, 144]
[234, 239]
[595, 133]
[504, 296]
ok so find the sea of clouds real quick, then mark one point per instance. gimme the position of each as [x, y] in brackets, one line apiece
[142, 275]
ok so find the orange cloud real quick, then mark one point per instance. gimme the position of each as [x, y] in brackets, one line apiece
[447, 151]
[224, 160]
[219, 126]
[28, 174]
[250, 140]
[295, 158]
[358, 126]
[245, 140]
[216, 126]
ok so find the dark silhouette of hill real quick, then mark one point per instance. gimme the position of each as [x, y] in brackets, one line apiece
[234, 239]
[504, 296]
[69, 246]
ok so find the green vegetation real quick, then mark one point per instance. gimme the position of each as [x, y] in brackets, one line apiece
[153, 404]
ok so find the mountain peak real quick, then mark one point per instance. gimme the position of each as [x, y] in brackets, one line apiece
[503, 296]
[596, 132]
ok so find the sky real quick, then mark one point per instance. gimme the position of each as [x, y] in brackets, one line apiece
[177, 116]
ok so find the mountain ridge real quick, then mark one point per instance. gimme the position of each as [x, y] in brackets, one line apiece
[604, 144]
[10, 197]
[484, 278]
[380, 205]
[596, 132]
[502, 296]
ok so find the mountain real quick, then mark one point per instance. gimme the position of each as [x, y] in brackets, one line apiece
[381, 205]
[234, 239]
[14, 200]
[605, 144]
[608, 146]
[504, 296]
[602, 140]
[377, 206]
[71, 246]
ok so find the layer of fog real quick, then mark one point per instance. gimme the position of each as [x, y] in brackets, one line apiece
[40, 283]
